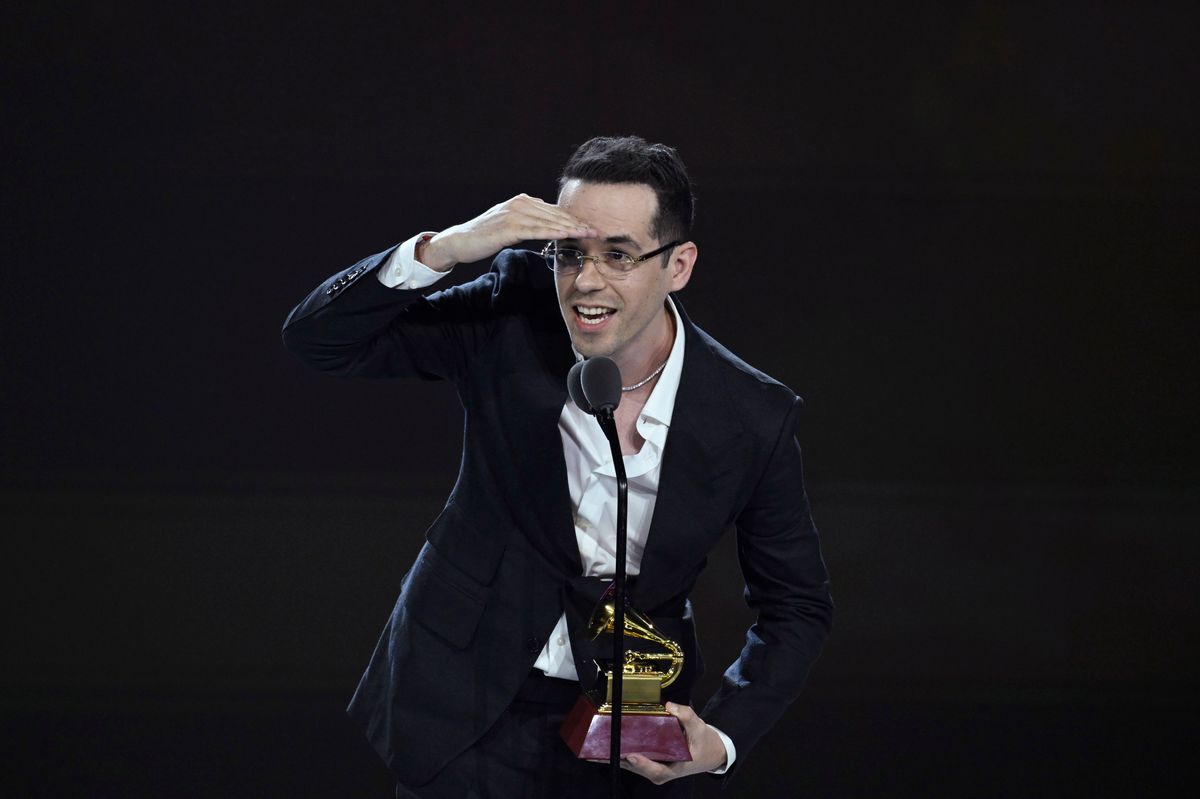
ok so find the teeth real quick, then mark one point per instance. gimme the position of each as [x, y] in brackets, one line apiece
[593, 315]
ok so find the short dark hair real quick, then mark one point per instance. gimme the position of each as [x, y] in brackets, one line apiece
[631, 159]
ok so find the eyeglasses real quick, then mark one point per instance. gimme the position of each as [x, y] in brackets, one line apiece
[615, 265]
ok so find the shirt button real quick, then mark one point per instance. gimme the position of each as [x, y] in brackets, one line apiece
[562, 640]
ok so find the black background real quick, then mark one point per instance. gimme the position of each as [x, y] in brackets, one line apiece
[965, 233]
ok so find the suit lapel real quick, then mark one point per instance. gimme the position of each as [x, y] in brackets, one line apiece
[704, 427]
[537, 449]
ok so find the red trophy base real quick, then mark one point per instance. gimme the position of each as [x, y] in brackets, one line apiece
[658, 736]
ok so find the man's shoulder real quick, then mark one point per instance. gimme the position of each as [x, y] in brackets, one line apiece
[752, 389]
[759, 402]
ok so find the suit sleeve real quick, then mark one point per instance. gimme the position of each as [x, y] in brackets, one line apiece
[354, 326]
[788, 585]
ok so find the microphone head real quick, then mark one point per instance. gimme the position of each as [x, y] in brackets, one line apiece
[575, 388]
[601, 381]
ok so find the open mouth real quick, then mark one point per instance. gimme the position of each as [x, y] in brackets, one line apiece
[593, 314]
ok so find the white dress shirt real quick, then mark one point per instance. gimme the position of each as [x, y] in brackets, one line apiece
[591, 477]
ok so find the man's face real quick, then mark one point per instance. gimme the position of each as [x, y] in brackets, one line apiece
[624, 318]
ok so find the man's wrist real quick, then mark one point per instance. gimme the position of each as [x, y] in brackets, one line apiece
[430, 252]
[402, 270]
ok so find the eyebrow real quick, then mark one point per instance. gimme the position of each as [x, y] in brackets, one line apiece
[623, 238]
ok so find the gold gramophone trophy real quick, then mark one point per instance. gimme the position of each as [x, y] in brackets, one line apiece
[646, 726]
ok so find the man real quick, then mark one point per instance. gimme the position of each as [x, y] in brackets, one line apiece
[482, 656]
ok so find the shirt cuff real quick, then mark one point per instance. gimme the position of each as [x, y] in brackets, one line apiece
[402, 270]
[730, 752]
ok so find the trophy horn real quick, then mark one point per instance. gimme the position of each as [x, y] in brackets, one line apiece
[638, 626]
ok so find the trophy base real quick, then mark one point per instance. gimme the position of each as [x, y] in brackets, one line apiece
[657, 735]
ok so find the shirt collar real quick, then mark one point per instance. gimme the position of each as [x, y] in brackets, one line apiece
[661, 403]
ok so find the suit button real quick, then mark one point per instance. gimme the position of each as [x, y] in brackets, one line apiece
[534, 645]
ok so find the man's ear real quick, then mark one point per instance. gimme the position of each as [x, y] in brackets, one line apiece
[683, 258]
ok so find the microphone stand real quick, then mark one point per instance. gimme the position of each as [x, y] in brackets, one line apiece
[595, 386]
[609, 426]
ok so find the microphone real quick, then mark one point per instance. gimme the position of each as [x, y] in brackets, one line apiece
[575, 388]
[601, 381]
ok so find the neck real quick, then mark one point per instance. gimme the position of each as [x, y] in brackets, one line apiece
[639, 368]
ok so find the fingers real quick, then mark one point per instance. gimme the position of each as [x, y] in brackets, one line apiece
[693, 725]
[656, 772]
[541, 220]
[707, 748]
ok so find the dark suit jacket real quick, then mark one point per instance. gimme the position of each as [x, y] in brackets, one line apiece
[488, 584]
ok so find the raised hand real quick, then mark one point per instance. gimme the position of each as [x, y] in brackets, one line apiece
[522, 218]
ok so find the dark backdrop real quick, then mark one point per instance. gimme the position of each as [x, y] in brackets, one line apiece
[966, 233]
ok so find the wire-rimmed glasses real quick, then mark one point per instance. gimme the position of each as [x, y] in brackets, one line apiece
[615, 264]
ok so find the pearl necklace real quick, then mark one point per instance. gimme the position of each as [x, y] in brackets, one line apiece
[649, 377]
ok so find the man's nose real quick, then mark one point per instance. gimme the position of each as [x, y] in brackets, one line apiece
[589, 277]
